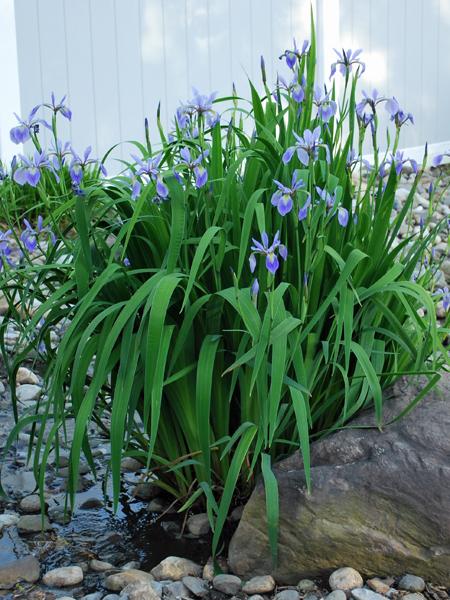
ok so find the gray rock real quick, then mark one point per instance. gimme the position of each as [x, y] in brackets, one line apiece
[28, 392]
[130, 465]
[378, 585]
[367, 506]
[30, 504]
[94, 596]
[175, 568]
[336, 595]
[99, 566]
[414, 596]
[132, 564]
[227, 584]
[33, 524]
[139, 591]
[196, 585]
[112, 597]
[146, 490]
[261, 584]
[175, 590]
[63, 577]
[91, 503]
[306, 585]
[59, 515]
[287, 595]
[365, 594]
[411, 583]
[8, 520]
[23, 569]
[345, 578]
[256, 597]
[117, 581]
[208, 569]
[25, 376]
[198, 524]
[2, 387]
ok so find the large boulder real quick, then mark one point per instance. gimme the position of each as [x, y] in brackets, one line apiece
[380, 501]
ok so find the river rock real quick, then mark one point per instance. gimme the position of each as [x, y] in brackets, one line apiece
[411, 583]
[33, 524]
[227, 584]
[365, 594]
[28, 392]
[336, 595]
[24, 375]
[380, 500]
[198, 525]
[196, 585]
[175, 568]
[30, 504]
[99, 566]
[345, 579]
[139, 591]
[23, 569]
[117, 581]
[145, 490]
[261, 584]
[287, 595]
[63, 577]
[8, 520]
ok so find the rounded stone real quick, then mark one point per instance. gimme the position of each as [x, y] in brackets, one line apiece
[411, 583]
[288, 595]
[24, 376]
[262, 584]
[146, 490]
[130, 465]
[30, 504]
[175, 568]
[28, 392]
[413, 596]
[345, 579]
[196, 585]
[23, 569]
[365, 594]
[227, 584]
[117, 581]
[63, 577]
[139, 591]
[99, 566]
[33, 524]
[336, 595]
[198, 525]
[306, 585]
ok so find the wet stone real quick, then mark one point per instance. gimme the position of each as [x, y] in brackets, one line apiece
[306, 585]
[345, 579]
[336, 595]
[227, 584]
[91, 503]
[365, 594]
[175, 590]
[23, 569]
[139, 591]
[33, 524]
[145, 490]
[411, 583]
[130, 465]
[31, 504]
[198, 525]
[63, 577]
[25, 376]
[175, 568]
[196, 585]
[288, 595]
[117, 581]
[262, 584]
[100, 565]
[28, 392]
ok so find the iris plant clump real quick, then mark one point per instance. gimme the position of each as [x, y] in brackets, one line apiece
[233, 295]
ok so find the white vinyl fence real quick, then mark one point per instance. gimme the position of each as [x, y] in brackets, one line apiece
[116, 59]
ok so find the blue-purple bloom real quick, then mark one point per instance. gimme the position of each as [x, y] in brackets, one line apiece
[330, 201]
[303, 211]
[78, 165]
[397, 114]
[294, 55]
[294, 88]
[342, 216]
[346, 61]
[57, 107]
[306, 147]
[194, 165]
[151, 168]
[22, 132]
[398, 162]
[255, 288]
[445, 297]
[326, 108]
[31, 236]
[437, 160]
[31, 168]
[269, 251]
[283, 197]
[5, 249]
